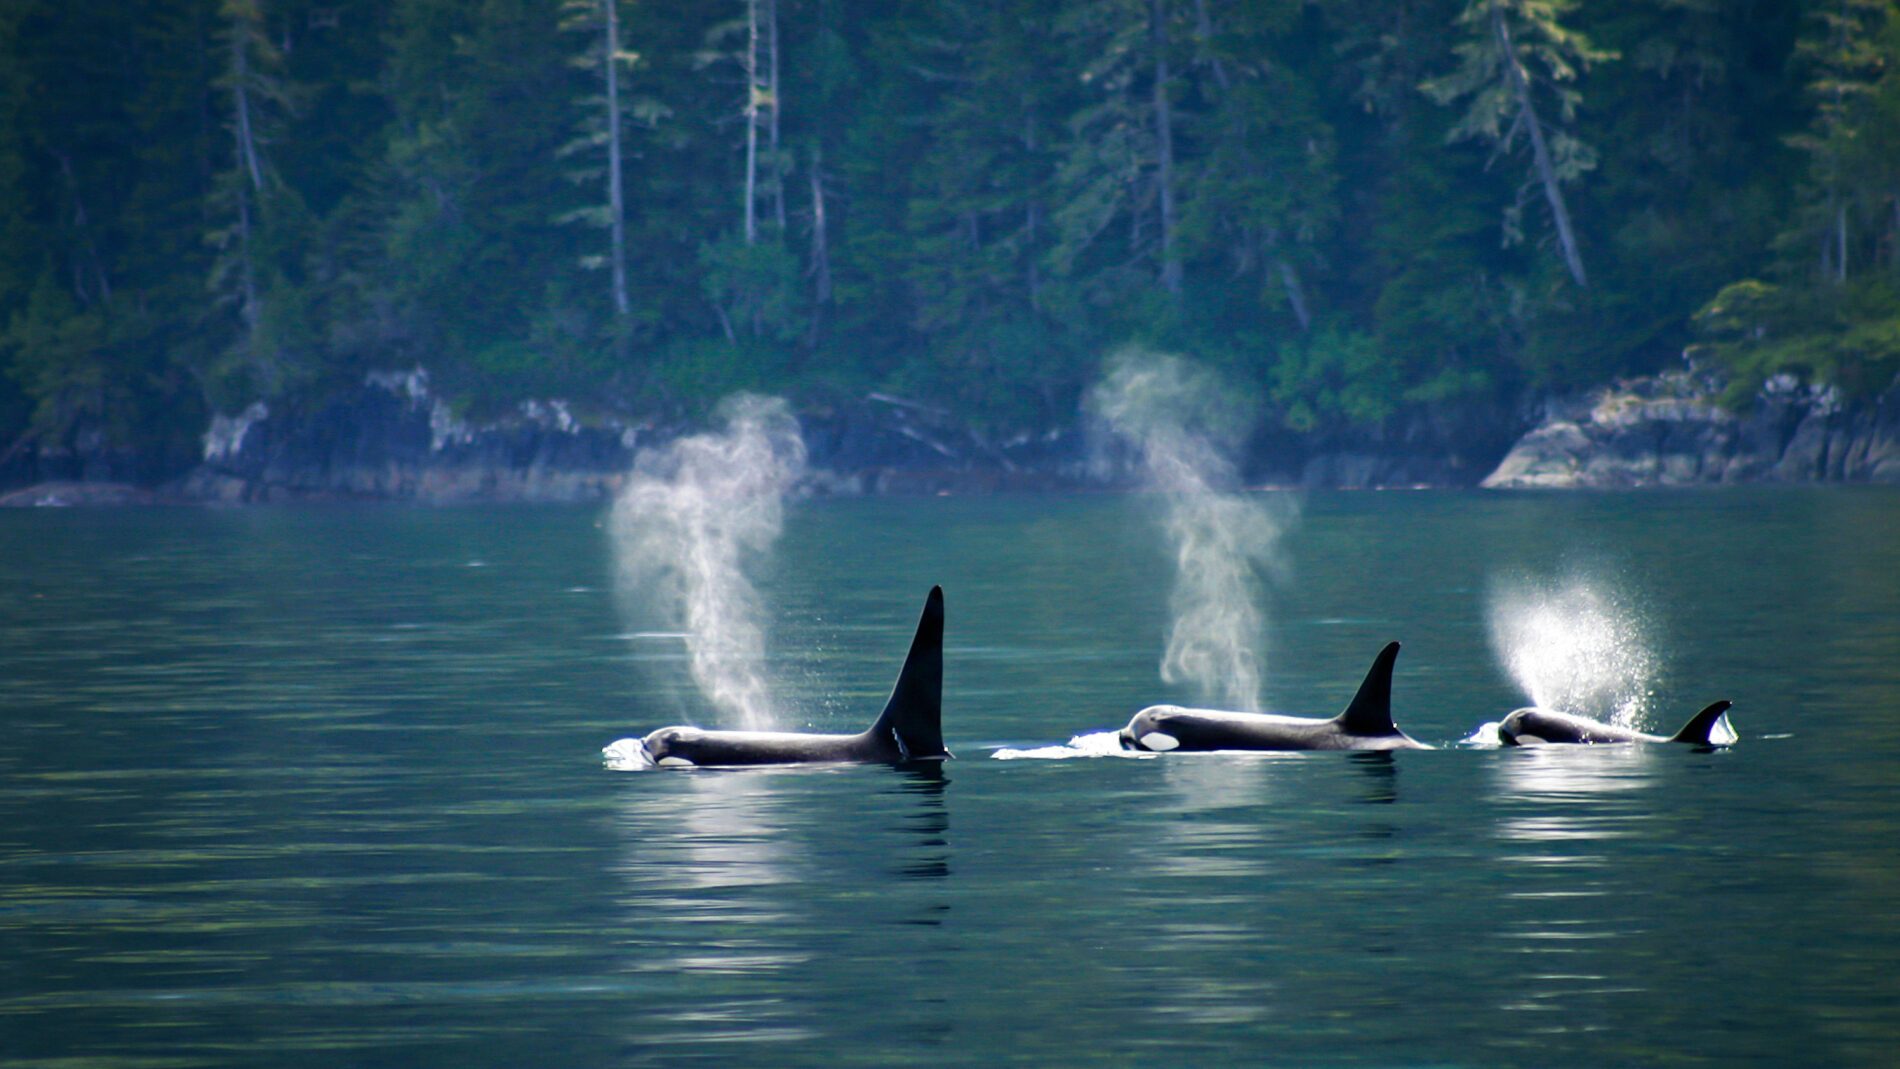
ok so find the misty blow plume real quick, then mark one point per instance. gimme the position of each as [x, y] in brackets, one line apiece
[693, 517]
[1181, 427]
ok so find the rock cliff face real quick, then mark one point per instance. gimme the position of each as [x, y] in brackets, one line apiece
[1668, 430]
[1434, 446]
[395, 439]
[391, 437]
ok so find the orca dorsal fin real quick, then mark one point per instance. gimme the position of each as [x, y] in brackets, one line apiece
[1701, 728]
[914, 714]
[1370, 712]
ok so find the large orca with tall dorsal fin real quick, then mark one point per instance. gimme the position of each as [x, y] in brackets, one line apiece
[909, 729]
[1539, 727]
[1366, 724]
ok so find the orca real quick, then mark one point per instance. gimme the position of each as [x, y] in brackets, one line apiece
[1538, 727]
[909, 729]
[1366, 724]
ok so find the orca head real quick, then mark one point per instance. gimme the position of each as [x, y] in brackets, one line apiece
[1516, 729]
[672, 747]
[1148, 731]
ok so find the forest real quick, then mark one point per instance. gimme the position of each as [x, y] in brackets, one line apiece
[1353, 208]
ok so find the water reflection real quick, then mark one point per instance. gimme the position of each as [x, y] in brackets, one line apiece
[928, 827]
[1567, 914]
[1379, 779]
[743, 887]
[1249, 856]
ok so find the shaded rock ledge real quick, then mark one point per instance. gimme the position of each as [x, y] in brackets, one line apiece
[394, 438]
[1668, 430]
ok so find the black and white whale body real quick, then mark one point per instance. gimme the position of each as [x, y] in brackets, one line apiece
[1366, 724]
[909, 729]
[1539, 727]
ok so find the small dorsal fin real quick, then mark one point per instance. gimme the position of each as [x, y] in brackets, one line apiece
[913, 717]
[1370, 712]
[1700, 728]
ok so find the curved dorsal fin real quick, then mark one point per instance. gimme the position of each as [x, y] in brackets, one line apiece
[1370, 711]
[914, 714]
[1701, 727]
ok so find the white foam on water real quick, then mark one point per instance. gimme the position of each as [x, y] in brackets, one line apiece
[626, 755]
[1093, 744]
[1484, 737]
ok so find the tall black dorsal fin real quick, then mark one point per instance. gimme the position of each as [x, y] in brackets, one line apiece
[914, 714]
[1701, 725]
[1370, 712]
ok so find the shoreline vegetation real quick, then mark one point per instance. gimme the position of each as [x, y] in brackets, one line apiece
[395, 440]
[1428, 243]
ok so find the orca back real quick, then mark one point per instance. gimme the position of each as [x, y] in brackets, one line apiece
[913, 717]
[1370, 712]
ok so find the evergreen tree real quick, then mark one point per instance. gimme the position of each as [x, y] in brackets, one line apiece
[1260, 185]
[979, 213]
[1118, 172]
[1840, 50]
[1829, 311]
[602, 130]
[1514, 54]
[248, 201]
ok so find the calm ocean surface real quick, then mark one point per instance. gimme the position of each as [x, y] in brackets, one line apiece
[323, 787]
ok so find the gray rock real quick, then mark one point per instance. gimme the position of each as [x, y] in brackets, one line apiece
[1667, 430]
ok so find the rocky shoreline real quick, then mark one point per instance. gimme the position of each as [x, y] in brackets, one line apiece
[393, 438]
[1669, 430]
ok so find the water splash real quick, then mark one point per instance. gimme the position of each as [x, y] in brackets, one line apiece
[626, 755]
[691, 519]
[1573, 645]
[1484, 737]
[1093, 744]
[1182, 425]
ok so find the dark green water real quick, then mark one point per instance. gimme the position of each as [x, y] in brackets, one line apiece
[323, 787]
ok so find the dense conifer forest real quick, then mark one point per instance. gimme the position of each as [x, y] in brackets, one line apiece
[1355, 208]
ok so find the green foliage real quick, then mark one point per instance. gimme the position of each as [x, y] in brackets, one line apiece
[754, 289]
[980, 198]
[696, 374]
[86, 372]
[1847, 337]
[1332, 378]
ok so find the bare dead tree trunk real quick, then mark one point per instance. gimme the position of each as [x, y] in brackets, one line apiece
[247, 279]
[820, 234]
[1164, 147]
[1840, 243]
[245, 147]
[1032, 220]
[88, 255]
[1540, 149]
[1295, 295]
[240, 92]
[772, 88]
[616, 191]
[1204, 31]
[752, 122]
[1893, 236]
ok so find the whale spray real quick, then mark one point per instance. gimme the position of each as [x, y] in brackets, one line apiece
[1181, 425]
[691, 521]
